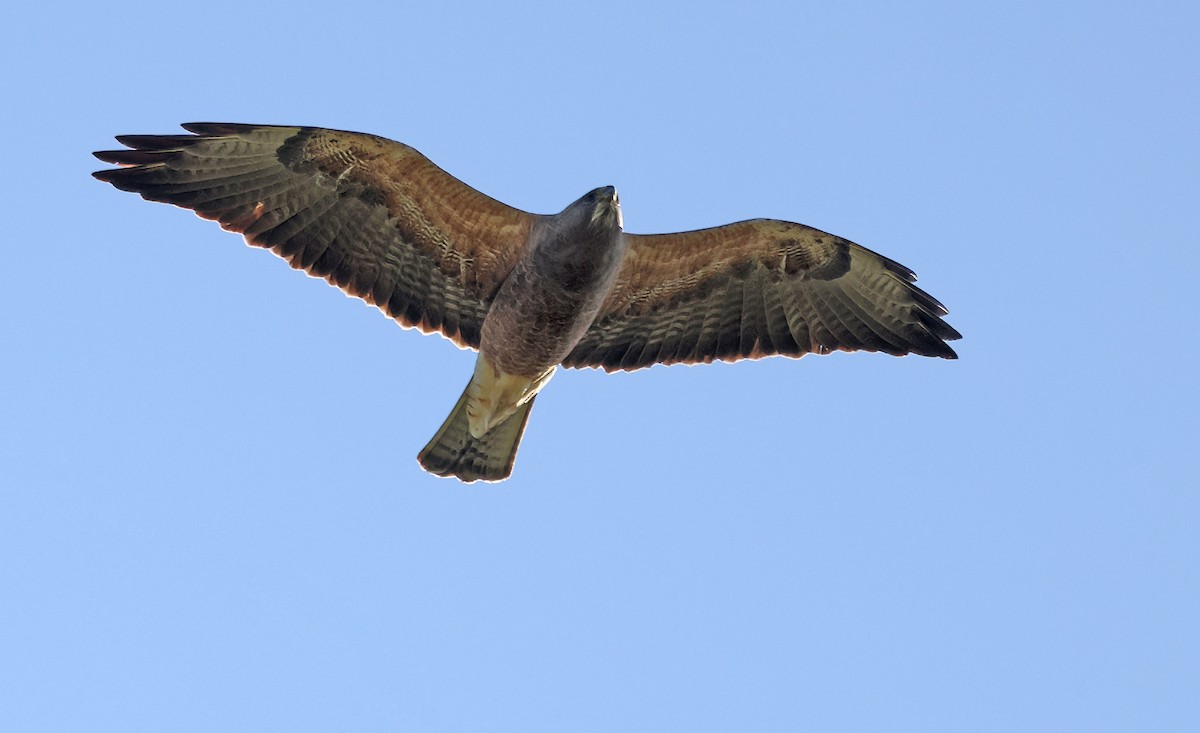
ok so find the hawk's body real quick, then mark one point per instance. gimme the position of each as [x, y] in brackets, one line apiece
[380, 221]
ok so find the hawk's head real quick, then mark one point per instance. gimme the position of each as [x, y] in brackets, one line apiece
[605, 207]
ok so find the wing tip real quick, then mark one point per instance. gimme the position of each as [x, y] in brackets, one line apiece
[945, 353]
[218, 129]
[134, 157]
[157, 142]
[198, 130]
[124, 177]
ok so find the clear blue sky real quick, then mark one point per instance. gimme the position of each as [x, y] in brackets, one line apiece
[211, 516]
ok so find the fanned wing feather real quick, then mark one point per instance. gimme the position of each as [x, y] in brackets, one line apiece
[372, 216]
[754, 289]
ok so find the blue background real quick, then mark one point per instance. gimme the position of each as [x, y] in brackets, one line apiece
[211, 518]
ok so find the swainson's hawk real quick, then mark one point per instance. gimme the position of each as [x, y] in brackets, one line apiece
[529, 292]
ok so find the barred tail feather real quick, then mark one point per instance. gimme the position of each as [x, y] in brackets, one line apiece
[453, 451]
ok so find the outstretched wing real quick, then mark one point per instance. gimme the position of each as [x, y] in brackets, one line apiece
[753, 289]
[370, 215]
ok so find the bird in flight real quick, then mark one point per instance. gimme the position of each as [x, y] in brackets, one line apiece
[529, 292]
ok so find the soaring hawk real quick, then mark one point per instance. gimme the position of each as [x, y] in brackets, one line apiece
[530, 292]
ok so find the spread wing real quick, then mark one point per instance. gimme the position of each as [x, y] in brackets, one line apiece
[753, 289]
[370, 215]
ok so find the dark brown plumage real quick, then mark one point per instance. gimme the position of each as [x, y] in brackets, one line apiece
[758, 288]
[380, 221]
[372, 216]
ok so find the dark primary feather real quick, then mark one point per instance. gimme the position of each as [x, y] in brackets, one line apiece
[370, 215]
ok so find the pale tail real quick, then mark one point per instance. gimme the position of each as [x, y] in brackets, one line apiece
[455, 452]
